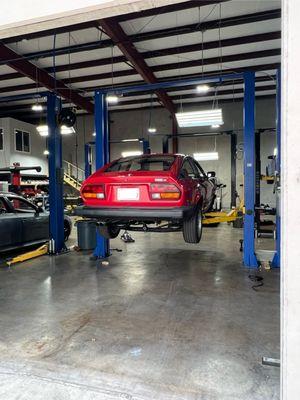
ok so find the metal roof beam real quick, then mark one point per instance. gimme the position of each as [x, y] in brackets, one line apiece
[181, 65]
[261, 67]
[157, 34]
[43, 78]
[235, 41]
[116, 33]
[93, 24]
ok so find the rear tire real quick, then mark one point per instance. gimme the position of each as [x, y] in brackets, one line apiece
[192, 228]
[109, 231]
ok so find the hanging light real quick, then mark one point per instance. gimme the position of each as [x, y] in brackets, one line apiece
[94, 134]
[203, 88]
[46, 153]
[211, 156]
[151, 129]
[215, 126]
[37, 107]
[112, 98]
[131, 153]
[66, 130]
[43, 130]
[200, 118]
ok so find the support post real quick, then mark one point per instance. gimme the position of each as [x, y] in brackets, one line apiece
[102, 157]
[165, 144]
[87, 160]
[249, 256]
[146, 146]
[174, 133]
[276, 258]
[233, 142]
[56, 177]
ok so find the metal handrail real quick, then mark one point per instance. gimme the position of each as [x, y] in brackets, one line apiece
[74, 171]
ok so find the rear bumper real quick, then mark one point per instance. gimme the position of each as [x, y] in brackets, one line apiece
[135, 214]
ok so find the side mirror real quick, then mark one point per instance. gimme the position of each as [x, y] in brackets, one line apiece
[211, 174]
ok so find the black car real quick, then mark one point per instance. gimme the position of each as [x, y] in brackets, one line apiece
[22, 223]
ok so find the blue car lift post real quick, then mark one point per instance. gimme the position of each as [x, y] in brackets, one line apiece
[249, 256]
[56, 176]
[276, 258]
[102, 157]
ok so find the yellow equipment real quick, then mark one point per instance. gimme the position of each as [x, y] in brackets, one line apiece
[215, 217]
[27, 256]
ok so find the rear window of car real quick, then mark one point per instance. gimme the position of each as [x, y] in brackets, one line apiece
[158, 163]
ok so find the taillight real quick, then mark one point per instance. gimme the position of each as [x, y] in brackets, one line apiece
[93, 192]
[164, 191]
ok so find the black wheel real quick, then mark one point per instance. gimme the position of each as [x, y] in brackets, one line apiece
[109, 231]
[192, 228]
[67, 230]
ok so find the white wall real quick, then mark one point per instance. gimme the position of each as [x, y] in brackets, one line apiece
[37, 147]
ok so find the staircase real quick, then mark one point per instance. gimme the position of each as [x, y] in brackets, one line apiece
[73, 175]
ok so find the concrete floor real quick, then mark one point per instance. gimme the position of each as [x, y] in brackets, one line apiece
[164, 320]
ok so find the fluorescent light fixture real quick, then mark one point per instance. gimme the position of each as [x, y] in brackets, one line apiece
[202, 88]
[130, 140]
[46, 153]
[200, 118]
[215, 126]
[151, 129]
[212, 156]
[37, 107]
[112, 98]
[66, 130]
[131, 153]
[42, 130]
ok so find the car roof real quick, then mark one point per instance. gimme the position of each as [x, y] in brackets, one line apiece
[151, 155]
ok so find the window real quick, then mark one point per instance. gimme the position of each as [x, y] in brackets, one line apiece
[1, 139]
[22, 141]
[200, 169]
[152, 163]
[21, 205]
[187, 169]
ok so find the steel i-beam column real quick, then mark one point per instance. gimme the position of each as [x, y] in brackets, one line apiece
[249, 256]
[233, 142]
[165, 144]
[146, 147]
[276, 258]
[102, 157]
[87, 160]
[56, 177]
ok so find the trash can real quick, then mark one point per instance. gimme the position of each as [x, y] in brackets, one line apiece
[86, 234]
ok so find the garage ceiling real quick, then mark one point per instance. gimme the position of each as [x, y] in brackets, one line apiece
[177, 41]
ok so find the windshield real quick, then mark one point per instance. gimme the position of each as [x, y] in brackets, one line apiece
[153, 163]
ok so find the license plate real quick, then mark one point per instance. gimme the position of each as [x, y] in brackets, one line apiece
[128, 194]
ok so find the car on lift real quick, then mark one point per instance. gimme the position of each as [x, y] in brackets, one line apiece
[24, 224]
[152, 192]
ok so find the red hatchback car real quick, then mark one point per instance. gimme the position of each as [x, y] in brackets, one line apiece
[152, 192]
